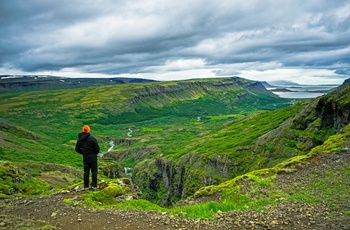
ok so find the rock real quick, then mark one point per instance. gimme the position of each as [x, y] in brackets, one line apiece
[129, 197]
[274, 222]
[121, 183]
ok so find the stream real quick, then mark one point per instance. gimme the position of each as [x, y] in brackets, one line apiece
[129, 133]
[127, 170]
[111, 143]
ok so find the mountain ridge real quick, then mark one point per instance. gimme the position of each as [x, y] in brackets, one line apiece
[19, 83]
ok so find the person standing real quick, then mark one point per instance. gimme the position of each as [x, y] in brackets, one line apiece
[87, 146]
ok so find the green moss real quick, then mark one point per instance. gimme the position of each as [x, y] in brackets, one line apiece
[106, 196]
[17, 182]
[333, 143]
[68, 200]
[113, 190]
[5, 196]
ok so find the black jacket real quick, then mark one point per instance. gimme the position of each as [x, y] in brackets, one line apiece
[88, 146]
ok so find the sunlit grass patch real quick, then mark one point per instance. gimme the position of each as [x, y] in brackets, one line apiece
[139, 205]
[152, 129]
[106, 196]
[229, 116]
[196, 122]
[333, 143]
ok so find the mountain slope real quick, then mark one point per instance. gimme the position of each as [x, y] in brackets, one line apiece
[300, 153]
[185, 134]
[311, 126]
[308, 193]
[258, 141]
[162, 115]
[64, 111]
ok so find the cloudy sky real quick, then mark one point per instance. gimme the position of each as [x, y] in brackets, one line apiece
[306, 41]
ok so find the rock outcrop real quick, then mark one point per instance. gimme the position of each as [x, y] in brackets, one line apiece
[334, 109]
[168, 181]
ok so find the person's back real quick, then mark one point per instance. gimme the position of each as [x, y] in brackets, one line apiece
[87, 146]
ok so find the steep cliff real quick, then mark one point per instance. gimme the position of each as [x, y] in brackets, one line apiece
[166, 181]
[334, 109]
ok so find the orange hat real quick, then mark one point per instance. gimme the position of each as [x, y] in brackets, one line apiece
[86, 129]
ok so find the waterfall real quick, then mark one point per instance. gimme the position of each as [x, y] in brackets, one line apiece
[127, 170]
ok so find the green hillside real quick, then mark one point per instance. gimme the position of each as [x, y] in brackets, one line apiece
[165, 117]
[45, 123]
[178, 137]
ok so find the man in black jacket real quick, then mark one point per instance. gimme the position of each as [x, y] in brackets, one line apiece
[87, 146]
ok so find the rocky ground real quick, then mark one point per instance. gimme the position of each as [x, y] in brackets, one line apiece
[52, 213]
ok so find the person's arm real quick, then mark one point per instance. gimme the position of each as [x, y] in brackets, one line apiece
[78, 147]
[96, 146]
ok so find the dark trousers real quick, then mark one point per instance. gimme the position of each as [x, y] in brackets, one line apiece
[93, 167]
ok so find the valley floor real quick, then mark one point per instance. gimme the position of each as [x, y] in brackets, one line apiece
[52, 213]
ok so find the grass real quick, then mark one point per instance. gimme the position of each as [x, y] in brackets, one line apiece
[139, 205]
[16, 182]
[225, 117]
[42, 126]
[330, 187]
[206, 210]
[58, 115]
[152, 129]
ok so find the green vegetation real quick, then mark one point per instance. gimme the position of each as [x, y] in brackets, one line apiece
[330, 187]
[228, 133]
[257, 189]
[43, 125]
[15, 182]
[105, 196]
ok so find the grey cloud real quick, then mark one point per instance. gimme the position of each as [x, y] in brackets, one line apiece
[343, 71]
[116, 37]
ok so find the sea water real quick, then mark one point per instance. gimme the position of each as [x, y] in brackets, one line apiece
[303, 91]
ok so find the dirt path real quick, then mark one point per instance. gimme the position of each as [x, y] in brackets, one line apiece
[53, 213]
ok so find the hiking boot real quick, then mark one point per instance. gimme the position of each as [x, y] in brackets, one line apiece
[94, 188]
